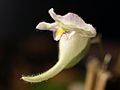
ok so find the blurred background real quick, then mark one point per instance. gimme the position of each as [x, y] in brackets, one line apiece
[25, 50]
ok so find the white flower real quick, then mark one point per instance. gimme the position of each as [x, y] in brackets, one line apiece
[74, 35]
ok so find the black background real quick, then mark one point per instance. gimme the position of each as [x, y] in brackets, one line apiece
[19, 17]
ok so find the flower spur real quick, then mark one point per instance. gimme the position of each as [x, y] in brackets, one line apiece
[73, 35]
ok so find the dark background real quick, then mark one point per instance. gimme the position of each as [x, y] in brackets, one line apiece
[23, 47]
[19, 17]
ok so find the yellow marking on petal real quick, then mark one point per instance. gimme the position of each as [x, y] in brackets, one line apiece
[59, 32]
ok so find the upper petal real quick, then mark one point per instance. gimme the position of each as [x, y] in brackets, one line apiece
[72, 21]
[68, 19]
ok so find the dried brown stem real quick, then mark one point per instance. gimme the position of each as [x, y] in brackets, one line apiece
[102, 77]
[92, 67]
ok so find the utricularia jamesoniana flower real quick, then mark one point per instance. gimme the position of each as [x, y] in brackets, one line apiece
[73, 35]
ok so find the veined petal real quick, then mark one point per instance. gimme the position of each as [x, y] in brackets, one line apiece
[68, 19]
[72, 21]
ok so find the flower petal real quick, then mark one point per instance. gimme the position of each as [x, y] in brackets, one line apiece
[46, 26]
[68, 19]
[72, 21]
